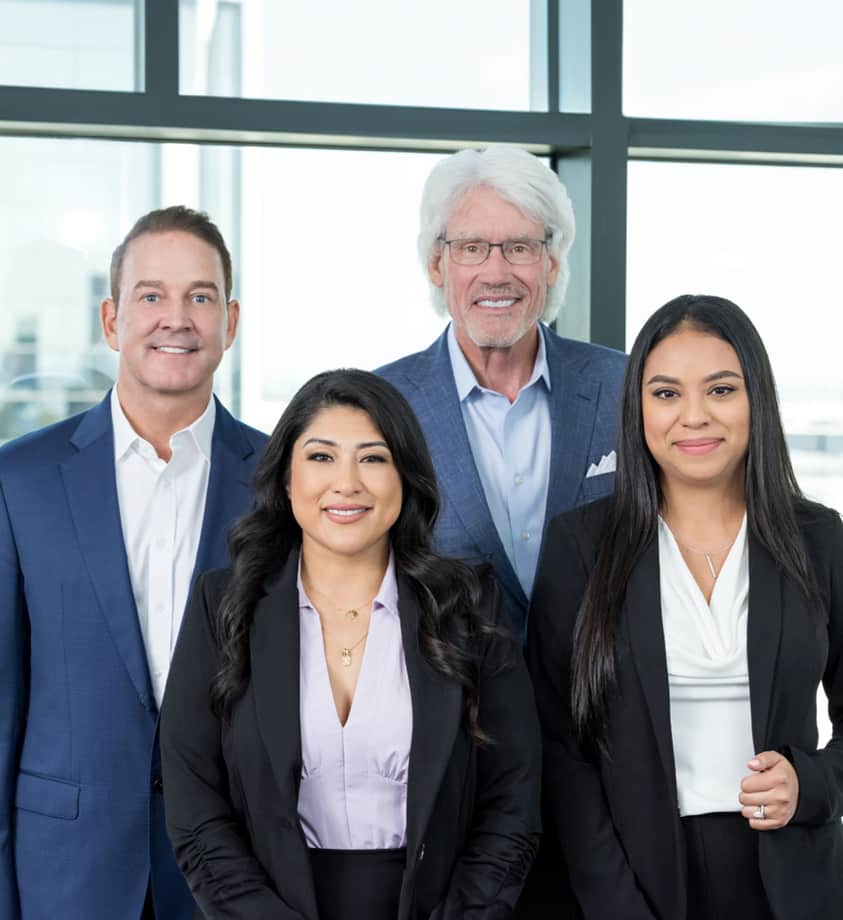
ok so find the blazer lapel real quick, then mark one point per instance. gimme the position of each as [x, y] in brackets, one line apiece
[764, 629]
[455, 467]
[437, 713]
[91, 485]
[229, 491]
[573, 403]
[643, 620]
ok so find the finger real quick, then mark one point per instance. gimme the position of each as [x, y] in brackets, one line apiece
[765, 760]
[759, 782]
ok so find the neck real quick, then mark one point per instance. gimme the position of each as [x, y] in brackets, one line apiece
[345, 580]
[704, 515]
[504, 370]
[157, 417]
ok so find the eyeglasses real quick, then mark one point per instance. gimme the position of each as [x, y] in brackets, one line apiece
[475, 252]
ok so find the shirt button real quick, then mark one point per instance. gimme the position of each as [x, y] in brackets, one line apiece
[519, 479]
[525, 535]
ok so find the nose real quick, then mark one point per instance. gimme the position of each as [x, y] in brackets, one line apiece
[496, 268]
[694, 411]
[176, 314]
[347, 477]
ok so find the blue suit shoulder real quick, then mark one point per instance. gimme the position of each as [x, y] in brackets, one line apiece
[40, 447]
[587, 357]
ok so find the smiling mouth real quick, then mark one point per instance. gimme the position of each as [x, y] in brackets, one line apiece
[496, 303]
[702, 446]
[173, 350]
[342, 515]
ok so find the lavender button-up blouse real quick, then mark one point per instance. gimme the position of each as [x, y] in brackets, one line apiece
[353, 793]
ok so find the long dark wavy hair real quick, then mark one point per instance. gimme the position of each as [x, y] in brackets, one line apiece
[448, 591]
[771, 491]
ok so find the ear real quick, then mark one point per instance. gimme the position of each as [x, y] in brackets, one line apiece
[553, 270]
[108, 321]
[233, 318]
[435, 269]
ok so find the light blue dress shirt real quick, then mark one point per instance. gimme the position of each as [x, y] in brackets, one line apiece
[510, 443]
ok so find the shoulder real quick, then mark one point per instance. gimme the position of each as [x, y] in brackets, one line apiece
[41, 447]
[414, 367]
[583, 526]
[594, 360]
[822, 530]
[256, 438]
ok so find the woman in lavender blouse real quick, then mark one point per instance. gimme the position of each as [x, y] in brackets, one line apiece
[347, 731]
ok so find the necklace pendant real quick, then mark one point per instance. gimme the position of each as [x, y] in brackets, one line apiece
[345, 657]
[351, 615]
[710, 565]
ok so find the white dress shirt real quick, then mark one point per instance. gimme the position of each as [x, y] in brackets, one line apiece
[510, 443]
[353, 792]
[708, 675]
[162, 506]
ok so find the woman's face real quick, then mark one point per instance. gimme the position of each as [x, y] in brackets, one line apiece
[695, 409]
[344, 488]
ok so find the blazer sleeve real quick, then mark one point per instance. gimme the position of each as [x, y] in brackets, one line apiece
[506, 824]
[600, 875]
[13, 689]
[211, 845]
[820, 773]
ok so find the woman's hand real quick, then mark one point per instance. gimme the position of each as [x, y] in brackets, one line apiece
[775, 785]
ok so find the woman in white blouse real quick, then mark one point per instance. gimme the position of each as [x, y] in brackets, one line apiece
[678, 634]
[347, 731]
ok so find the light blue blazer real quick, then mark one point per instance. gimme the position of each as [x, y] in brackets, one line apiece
[81, 811]
[585, 383]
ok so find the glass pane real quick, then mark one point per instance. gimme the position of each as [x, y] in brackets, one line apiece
[734, 60]
[437, 53]
[768, 238]
[71, 44]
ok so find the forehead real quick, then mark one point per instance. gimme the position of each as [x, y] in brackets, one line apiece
[481, 211]
[342, 423]
[170, 257]
[689, 353]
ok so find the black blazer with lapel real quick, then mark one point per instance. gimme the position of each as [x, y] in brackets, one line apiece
[617, 818]
[231, 787]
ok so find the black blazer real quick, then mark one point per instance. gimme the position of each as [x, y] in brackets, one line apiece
[617, 818]
[231, 787]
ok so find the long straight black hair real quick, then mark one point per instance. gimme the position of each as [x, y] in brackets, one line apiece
[771, 491]
[448, 591]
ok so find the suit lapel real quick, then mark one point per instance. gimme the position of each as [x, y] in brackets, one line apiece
[643, 619]
[573, 404]
[763, 635]
[437, 713]
[455, 467]
[229, 491]
[91, 486]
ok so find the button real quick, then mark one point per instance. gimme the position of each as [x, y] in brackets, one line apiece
[421, 853]
[157, 784]
[525, 535]
[518, 479]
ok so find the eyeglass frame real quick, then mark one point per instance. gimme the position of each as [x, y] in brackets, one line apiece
[545, 242]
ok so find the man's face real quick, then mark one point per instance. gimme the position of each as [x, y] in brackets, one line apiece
[494, 304]
[171, 325]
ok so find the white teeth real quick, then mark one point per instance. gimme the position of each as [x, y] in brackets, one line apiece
[345, 512]
[171, 350]
[496, 303]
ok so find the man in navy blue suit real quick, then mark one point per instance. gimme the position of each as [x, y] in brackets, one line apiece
[105, 521]
[520, 422]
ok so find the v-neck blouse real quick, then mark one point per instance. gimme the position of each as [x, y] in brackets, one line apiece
[708, 676]
[353, 792]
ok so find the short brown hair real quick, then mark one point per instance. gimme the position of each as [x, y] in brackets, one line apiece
[164, 220]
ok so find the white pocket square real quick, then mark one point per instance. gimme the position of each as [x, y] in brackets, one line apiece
[608, 463]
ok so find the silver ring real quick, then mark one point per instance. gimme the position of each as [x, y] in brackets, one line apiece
[759, 813]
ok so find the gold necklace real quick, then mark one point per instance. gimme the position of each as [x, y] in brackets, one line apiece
[708, 554]
[345, 651]
[351, 614]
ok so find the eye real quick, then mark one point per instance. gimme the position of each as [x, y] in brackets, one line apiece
[201, 298]
[319, 456]
[374, 458]
[665, 393]
[469, 247]
[520, 248]
[150, 298]
[722, 389]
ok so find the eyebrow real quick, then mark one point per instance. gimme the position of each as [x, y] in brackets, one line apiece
[363, 445]
[717, 375]
[160, 284]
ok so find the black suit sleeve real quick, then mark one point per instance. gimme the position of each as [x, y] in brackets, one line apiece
[820, 773]
[600, 875]
[490, 872]
[210, 844]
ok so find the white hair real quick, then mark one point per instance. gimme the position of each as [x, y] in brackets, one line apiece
[519, 178]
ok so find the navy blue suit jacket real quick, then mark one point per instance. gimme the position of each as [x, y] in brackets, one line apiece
[585, 382]
[81, 811]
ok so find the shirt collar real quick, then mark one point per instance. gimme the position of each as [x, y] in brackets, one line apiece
[464, 376]
[201, 432]
[386, 598]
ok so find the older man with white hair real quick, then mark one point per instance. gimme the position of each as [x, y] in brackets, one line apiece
[520, 422]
